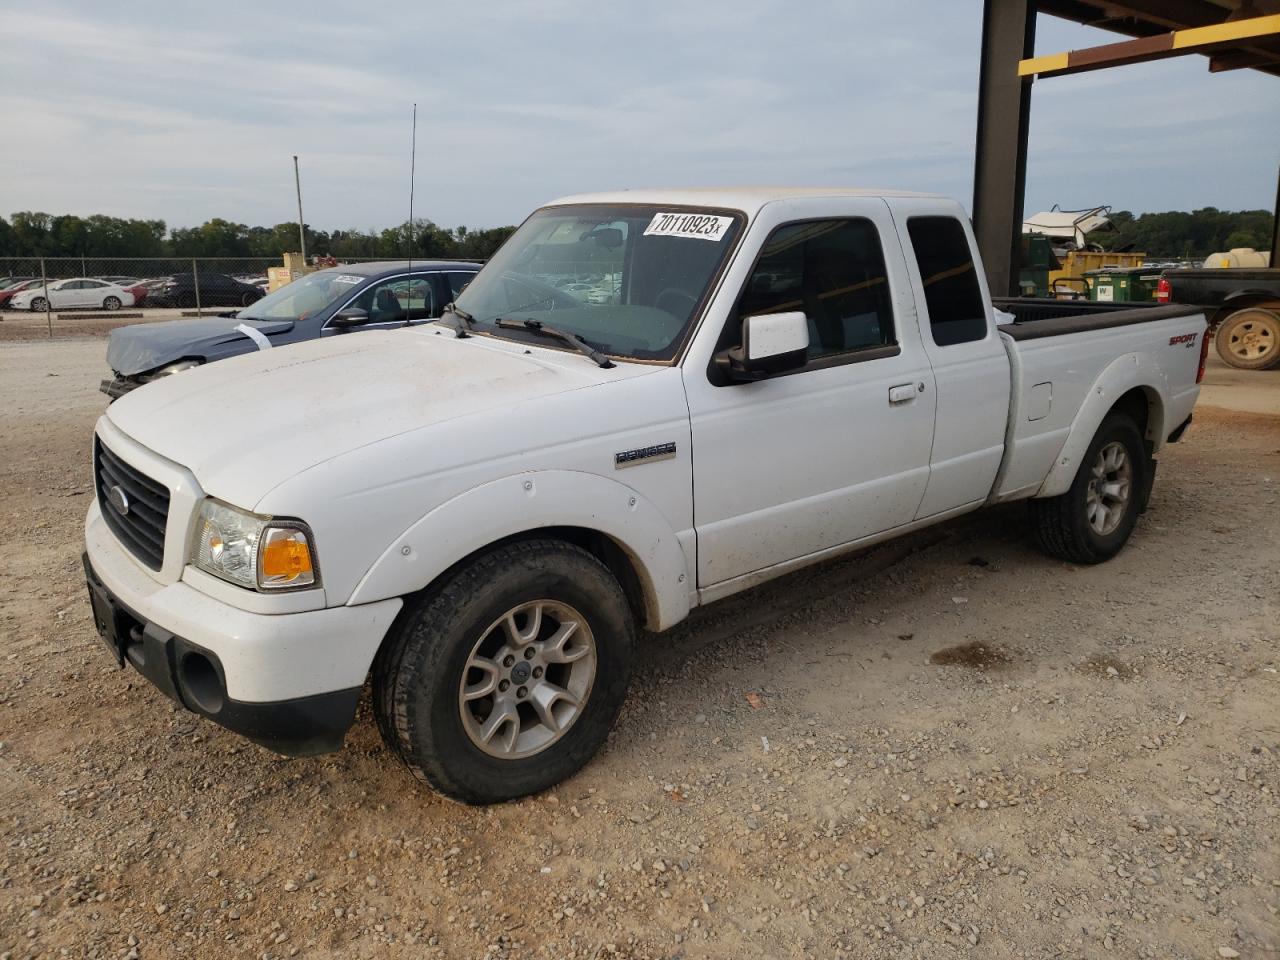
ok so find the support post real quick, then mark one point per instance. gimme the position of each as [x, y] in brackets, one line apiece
[1275, 230]
[48, 308]
[1000, 155]
[302, 226]
[195, 282]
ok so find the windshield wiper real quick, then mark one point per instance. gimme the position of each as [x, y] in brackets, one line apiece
[573, 340]
[464, 320]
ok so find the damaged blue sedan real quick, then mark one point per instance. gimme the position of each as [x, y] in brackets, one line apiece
[345, 299]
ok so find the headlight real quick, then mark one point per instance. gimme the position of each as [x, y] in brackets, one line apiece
[260, 553]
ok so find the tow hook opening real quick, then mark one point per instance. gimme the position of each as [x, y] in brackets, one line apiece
[200, 682]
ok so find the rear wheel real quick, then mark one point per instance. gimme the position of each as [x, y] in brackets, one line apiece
[506, 679]
[1250, 339]
[111, 303]
[1094, 519]
[247, 298]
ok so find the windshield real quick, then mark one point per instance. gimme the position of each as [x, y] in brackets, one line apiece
[304, 297]
[628, 280]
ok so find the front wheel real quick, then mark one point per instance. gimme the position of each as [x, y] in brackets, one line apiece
[39, 305]
[506, 679]
[1094, 519]
[1250, 339]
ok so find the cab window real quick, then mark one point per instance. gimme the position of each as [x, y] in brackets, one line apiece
[834, 271]
[950, 278]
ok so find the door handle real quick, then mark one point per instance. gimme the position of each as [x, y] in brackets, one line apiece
[902, 393]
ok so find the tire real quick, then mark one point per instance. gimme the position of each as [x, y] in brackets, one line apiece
[247, 298]
[1067, 526]
[38, 305]
[423, 708]
[111, 303]
[185, 300]
[1250, 339]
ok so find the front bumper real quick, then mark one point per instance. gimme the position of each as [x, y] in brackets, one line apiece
[288, 681]
[193, 676]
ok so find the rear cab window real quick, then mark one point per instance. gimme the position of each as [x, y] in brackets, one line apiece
[949, 276]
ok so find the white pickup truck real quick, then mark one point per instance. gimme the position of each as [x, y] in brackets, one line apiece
[646, 401]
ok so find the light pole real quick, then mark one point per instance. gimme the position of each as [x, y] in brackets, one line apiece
[302, 230]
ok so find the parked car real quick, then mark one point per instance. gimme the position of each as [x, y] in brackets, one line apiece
[17, 286]
[121, 281]
[77, 292]
[366, 296]
[6, 282]
[214, 290]
[1243, 305]
[480, 522]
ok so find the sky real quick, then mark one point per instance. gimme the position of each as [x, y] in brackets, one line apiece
[183, 112]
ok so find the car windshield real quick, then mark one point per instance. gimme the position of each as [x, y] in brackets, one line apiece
[627, 279]
[305, 297]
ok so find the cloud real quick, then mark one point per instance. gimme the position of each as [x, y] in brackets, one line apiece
[186, 112]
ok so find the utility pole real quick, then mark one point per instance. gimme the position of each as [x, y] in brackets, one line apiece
[302, 230]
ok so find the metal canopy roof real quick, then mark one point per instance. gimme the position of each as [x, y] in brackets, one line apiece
[1155, 20]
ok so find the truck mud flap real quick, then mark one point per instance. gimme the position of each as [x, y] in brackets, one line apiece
[1148, 480]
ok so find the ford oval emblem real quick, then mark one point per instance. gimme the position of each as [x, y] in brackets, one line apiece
[116, 497]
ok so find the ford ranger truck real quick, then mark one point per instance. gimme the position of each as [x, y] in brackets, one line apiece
[645, 402]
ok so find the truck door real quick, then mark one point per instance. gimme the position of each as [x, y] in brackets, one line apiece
[970, 366]
[835, 451]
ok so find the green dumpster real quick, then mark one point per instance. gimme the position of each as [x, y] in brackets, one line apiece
[1124, 285]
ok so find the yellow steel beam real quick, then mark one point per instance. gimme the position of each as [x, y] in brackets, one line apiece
[1174, 44]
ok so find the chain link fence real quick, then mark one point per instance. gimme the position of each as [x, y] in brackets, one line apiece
[78, 290]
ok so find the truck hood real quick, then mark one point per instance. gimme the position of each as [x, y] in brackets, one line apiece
[245, 425]
[144, 346]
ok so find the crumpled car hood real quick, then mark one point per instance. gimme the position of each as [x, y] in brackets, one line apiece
[144, 346]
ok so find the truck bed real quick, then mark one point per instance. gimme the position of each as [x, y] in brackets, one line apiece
[1038, 317]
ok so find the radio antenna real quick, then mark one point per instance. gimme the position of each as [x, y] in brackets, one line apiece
[413, 157]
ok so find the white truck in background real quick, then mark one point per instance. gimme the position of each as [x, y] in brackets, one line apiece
[646, 401]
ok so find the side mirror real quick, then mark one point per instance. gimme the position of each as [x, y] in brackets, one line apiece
[350, 317]
[608, 237]
[771, 343]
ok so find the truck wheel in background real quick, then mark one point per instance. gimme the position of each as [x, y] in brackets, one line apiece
[1093, 520]
[1250, 339]
[506, 679]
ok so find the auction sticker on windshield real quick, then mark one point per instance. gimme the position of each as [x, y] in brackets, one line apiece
[348, 278]
[702, 226]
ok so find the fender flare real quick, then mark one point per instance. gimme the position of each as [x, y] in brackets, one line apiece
[1125, 373]
[526, 502]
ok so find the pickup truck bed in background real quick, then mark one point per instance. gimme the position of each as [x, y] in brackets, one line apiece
[1242, 304]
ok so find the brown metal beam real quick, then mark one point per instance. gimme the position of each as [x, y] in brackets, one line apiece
[1171, 14]
[1275, 229]
[1238, 34]
[1000, 153]
[1242, 59]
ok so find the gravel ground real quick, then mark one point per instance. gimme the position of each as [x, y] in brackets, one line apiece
[949, 746]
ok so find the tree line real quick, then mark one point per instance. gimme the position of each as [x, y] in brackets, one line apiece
[27, 234]
[1194, 235]
[30, 234]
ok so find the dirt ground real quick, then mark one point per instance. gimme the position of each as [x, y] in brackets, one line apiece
[952, 747]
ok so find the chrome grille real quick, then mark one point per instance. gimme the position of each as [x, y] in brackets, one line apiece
[133, 505]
